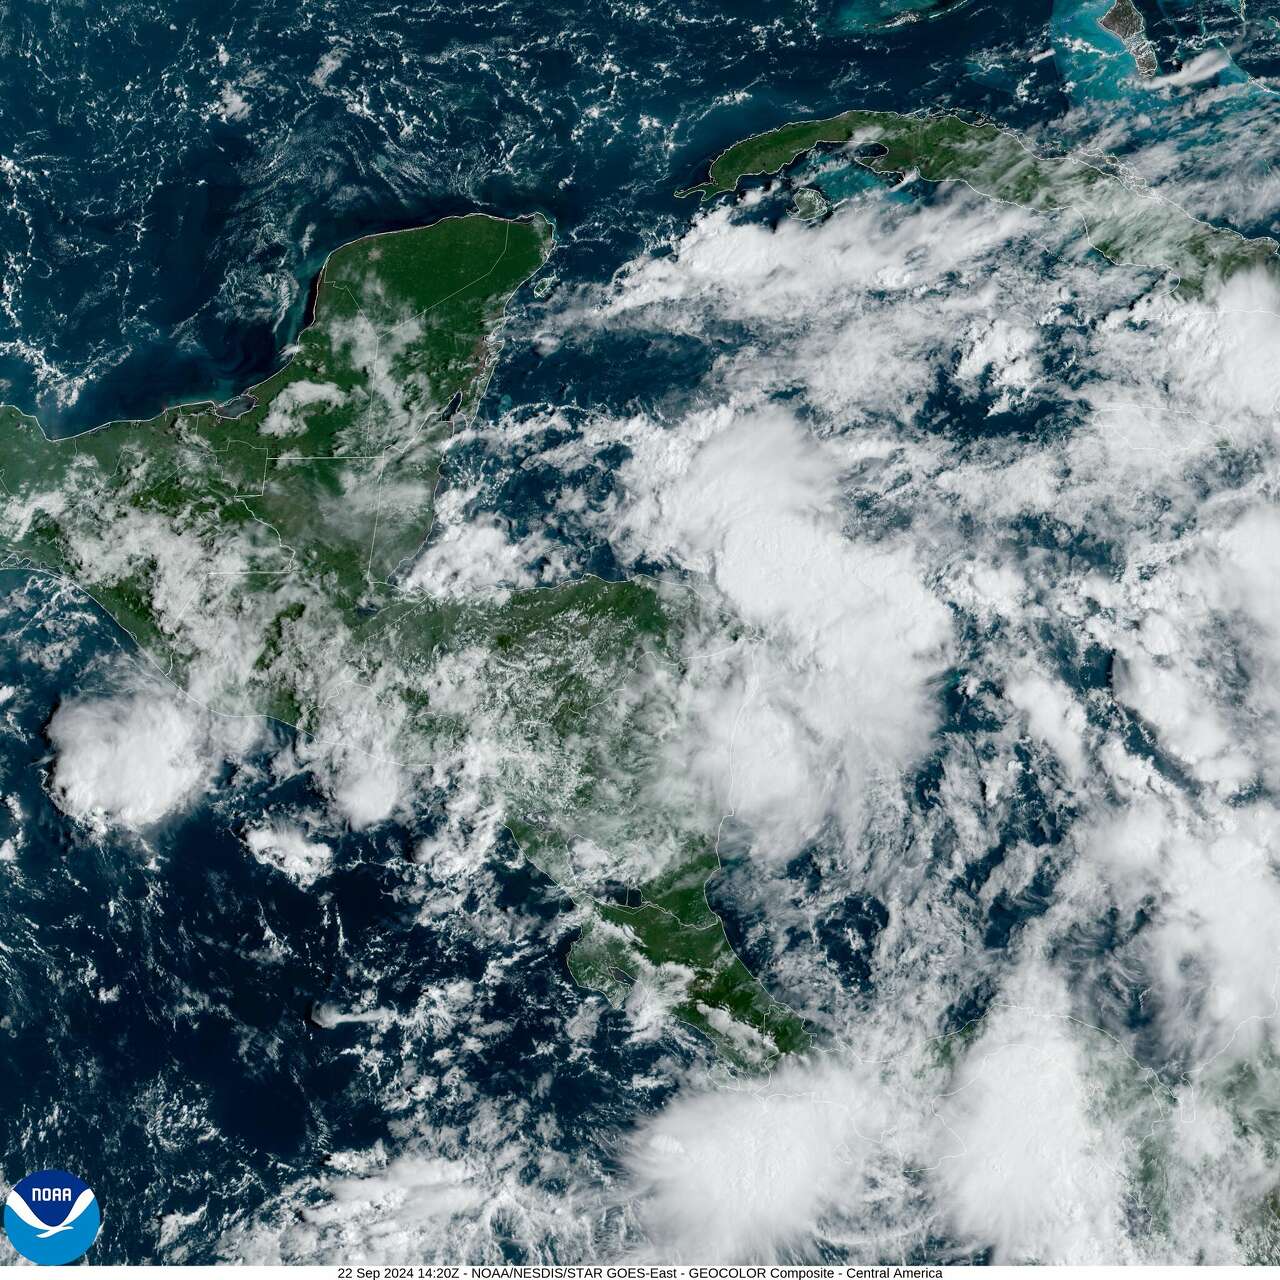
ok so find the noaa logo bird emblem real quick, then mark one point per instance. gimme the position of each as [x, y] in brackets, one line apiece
[51, 1217]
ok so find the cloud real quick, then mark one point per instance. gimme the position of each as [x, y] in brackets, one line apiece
[367, 791]
[283, 419]
[1053, 716]
[329, 62]
[1094, 844]
[232, 104]
[831, 688]
[1041, 1172]
[288, 849]
[1204, 66]
[133, 759]
[423, 1203]
[985, 664]
[356, 759]
[750, 1174]
[470, 559]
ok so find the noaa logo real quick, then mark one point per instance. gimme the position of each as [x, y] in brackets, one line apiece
[51, 1217]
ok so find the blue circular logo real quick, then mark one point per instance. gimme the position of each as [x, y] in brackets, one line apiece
[51, 1217]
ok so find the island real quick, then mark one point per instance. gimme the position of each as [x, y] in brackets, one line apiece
[1125, 22]
[1120, 219]
[261, 553]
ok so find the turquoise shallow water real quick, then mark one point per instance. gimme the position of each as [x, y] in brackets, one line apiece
[870, 15]
[1092, 62]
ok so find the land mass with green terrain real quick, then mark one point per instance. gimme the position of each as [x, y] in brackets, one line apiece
[264, 561]
[1124, 222]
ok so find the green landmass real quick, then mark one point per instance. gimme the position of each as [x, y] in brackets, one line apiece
[771, 152]
[718, 993]
[1124, 20]
[1126, 224]
[810, 204]
[264, 562]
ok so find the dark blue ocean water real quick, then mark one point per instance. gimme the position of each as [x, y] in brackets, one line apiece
[155, 243]
[171, 175]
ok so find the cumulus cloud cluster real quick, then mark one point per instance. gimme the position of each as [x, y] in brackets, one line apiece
[477, 559]
[983, 528]
[288, 849]
[1091, 870]
[832, 691]
[134, 757]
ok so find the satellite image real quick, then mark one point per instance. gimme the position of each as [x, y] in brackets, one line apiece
[643, 632]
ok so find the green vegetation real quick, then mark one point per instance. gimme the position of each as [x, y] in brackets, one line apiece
[1125, 223]
[331, 474]
[675, 943]
[262, 559]
[572, 683]
[771, 152]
